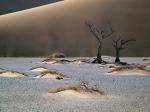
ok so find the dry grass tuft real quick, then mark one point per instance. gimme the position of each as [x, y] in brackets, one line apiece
[60, 89]
[128, 67]
[82, 88]
[133, 69]
[52, 74]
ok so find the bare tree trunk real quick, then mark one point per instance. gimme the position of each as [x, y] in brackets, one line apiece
[117, 56]
[100, 36]
[120, 45]
[99, 55]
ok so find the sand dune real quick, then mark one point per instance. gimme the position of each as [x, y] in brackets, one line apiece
[11, 74]
[60, 27]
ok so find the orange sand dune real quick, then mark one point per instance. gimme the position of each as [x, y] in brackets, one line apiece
[60, 27]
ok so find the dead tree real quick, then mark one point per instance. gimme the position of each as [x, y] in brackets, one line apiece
[120, 45]
[100, 35]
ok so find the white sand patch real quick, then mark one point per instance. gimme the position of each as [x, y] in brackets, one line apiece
[50, 62]
[81, 61]
[38, 69]
[78, 62]
[11, 74]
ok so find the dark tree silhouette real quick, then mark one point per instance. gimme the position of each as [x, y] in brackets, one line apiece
[100, 35]
[120, 45]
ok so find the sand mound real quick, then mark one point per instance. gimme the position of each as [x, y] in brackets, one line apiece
[81, 61]
[11, 74]
[38, 69]
[113, 66]
[51, 74]
[75, 91]
[58, 55]
[129, 70]
[67, 61]
[56, 61]
[76, 94]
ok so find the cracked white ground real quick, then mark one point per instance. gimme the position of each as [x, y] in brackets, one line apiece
[122, 93]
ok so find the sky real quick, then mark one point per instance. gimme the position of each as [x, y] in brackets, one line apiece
[8, 6]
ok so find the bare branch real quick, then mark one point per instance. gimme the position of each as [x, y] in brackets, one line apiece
[111, 31]
[100, 35]
[123, 42]
[119, 45]
[93, 31]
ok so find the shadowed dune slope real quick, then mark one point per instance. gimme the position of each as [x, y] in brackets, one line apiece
[60, 27]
